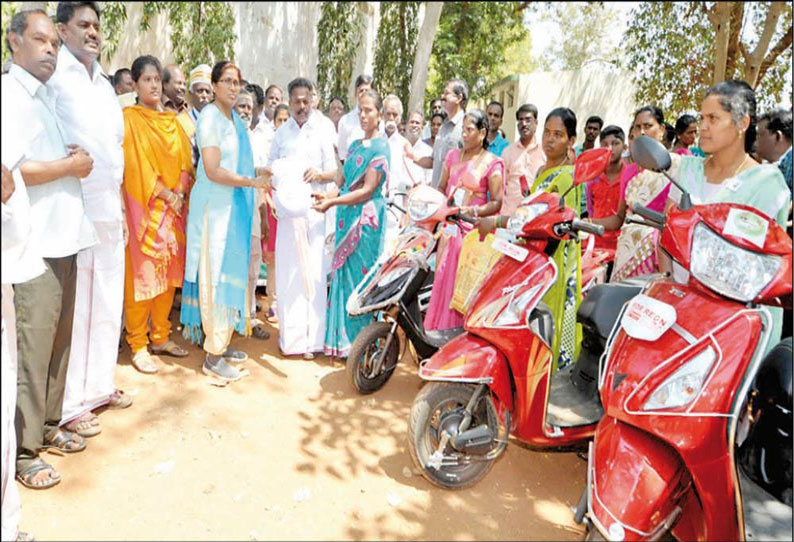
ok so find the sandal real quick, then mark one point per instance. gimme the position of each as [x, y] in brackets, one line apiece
[26, 475]
[65, 441]
[144, 362]
[171, 348]
[259, 331]
[118, 400]
[24, 537]
[86, 425]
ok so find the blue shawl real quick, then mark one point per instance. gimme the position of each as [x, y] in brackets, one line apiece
[230, 294]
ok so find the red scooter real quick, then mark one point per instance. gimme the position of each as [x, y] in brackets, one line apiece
[498, 377]
[696, 439]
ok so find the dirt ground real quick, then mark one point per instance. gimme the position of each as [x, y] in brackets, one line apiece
[290, 452]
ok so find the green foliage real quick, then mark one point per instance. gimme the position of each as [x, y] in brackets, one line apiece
[9, 10]
[669, 49]
[338, 35]
[518, 58]
[114, 17]
[395, 48]
[470, 44]
[585, 29]
[201, 32]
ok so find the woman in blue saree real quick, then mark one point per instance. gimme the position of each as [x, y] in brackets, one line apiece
[360, 225]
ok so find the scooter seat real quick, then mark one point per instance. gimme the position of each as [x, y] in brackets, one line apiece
[440, 337]
[602, 305]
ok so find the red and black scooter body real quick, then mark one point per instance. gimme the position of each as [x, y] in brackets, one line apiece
[663, 457]
[504, 351]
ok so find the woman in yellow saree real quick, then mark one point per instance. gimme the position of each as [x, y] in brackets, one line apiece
[157, 170]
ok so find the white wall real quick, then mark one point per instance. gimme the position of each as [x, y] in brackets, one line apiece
[596, 89]
[276, 41]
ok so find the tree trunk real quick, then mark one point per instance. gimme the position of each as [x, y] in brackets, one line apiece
[720, 18]
[737, 16]
[424, 47]
[755, 59]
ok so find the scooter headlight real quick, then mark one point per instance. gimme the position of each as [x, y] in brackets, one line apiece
[524, 215]
[506, 311]
[729, 270]
[424, 202]
[684, 384]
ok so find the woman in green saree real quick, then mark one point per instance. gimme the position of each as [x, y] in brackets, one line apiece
[556, 175]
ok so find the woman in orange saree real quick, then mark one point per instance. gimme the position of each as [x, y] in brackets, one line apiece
[157, 171]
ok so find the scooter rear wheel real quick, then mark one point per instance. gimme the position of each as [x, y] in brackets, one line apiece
[437, 404]
[367, 345]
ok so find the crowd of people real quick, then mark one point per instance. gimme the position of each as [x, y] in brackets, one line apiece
[119, 191]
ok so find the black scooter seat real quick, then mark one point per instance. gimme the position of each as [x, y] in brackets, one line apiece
[440, 337]
[603, 303]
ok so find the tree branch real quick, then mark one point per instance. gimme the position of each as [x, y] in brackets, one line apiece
[753, 67]
[783, 44]
[737, 15]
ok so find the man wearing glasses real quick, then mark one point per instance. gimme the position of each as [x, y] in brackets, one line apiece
[522, 159]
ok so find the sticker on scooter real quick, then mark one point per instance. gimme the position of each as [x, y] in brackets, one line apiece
[509, 249]
[647, 318]
[746, 225]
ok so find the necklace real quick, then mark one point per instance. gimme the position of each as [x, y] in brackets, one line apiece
[740, 166]
[473, 156]
[560, 163]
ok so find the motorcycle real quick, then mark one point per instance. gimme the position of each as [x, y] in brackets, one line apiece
[398, 290]
[498, 377]
[696, 439]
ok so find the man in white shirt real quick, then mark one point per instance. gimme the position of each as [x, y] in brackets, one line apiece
[89, 114]
[20, 263]
[60, 229]
[245, 108]
[199, 94]
[350, 125]
[301, 143]
[419, 175]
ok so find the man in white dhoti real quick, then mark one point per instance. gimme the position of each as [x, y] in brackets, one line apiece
[89, 115]
[302, 161]
[20, 263]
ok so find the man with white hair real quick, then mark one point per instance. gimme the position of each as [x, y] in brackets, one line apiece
[413, 131]
[399, 180]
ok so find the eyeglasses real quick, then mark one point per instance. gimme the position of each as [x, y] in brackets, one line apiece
[231, 83]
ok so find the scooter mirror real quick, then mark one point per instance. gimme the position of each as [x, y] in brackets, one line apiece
[590, 164]
[650, 154]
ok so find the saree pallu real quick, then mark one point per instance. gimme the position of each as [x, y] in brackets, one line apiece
[635, 254]
[358, 242]
[230, 288]
[564, 296]
[156, 148]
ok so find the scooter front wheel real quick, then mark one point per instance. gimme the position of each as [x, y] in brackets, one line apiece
[366, 348]
[438, 408]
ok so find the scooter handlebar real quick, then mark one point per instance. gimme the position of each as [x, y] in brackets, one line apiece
[464, 218]
[649, 215]
[589, 227]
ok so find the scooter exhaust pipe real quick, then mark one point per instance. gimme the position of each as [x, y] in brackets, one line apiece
[478, 439]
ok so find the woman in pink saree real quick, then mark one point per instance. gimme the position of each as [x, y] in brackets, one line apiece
[474, 179]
